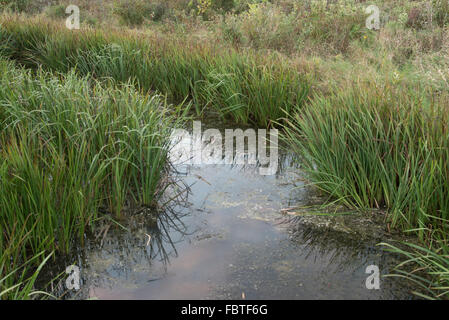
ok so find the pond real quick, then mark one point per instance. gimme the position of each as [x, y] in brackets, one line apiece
[230, 238]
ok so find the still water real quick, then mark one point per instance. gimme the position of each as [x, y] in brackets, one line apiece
[230, 239]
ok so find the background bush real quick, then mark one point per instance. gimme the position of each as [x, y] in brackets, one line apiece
[134, 12]
[441, 11]
[16, 5]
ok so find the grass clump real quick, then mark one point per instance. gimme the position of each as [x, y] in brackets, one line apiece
[134, 13]
[243, 87]
[56, 11]
[72, 150]
[384, 147]
[379, 147]
[15, 5]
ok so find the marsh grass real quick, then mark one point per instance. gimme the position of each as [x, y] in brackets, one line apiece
[426, 266]
[379, 147]
[72, 150]
[381, 143]
[382, 147]
[236, 85]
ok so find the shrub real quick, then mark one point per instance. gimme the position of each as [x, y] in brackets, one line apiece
[57, 11]
[231, 33]
[16, 5]
[223, 6]
[329, 29]
[245, 87]
[6, 43]
[133, 12]
[441, 12]
[70, 149]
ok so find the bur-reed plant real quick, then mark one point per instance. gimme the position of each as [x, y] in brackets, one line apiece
[237, 85]
[71, 151]
[426, 266]
[379, 146]
[386, 147]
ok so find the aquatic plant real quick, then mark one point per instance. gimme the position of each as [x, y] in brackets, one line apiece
[382, 147]
[243, 87]
[71, 151]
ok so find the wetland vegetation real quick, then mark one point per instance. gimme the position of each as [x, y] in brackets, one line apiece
[86, 115]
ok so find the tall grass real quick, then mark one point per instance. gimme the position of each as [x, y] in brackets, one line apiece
[428, 267]
[372, 145]
[385, 147]
[237, 85]
[71, 148]
[379, 147]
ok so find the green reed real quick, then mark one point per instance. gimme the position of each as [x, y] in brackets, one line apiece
[70, 148]
[236, 85]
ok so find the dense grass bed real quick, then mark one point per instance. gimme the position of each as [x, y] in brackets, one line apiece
[69, 147]
[386, 148]
[243, 87]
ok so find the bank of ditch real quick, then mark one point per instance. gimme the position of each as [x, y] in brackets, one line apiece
[376, 145]
[72, 151]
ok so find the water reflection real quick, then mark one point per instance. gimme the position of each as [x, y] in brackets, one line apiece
[228, 236]
[139, 254]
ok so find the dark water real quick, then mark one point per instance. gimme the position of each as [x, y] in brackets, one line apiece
[231, 241]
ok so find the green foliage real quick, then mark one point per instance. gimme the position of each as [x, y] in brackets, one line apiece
[57, 11]
[240, 86]
[265, 25]
[15, 5]
[417, 19]
[134, 12]
[379, 147]
[382, 147]
[6, 45]
[208, 8]
[159, 11]
[232, 33]
[426, 266]
[70, 147]
[441, 11]
[223, 5]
